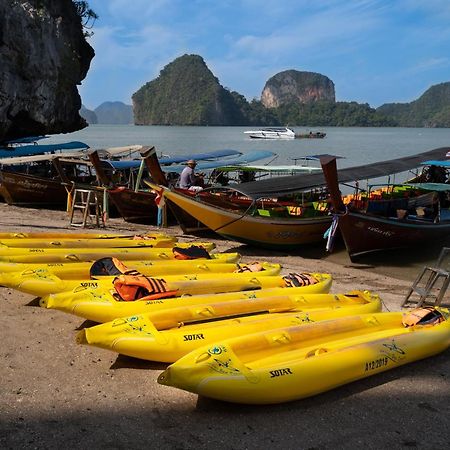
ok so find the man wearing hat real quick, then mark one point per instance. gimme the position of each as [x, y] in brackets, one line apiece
[187, 177]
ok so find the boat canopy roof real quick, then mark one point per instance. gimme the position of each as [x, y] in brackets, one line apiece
[167, 161]
[438, 187]
[276, 187]
[25, 150]
[436, 163]
[287, 169]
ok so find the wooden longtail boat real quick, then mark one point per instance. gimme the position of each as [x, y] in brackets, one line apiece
[262, 227]
[379, 224]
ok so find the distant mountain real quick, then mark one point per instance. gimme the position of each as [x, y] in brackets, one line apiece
[293, 86]
[116, 113]
[88, 115]
[186, 93]
[431, 109]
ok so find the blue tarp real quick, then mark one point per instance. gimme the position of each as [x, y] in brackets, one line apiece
[27, 150]
[435, 162]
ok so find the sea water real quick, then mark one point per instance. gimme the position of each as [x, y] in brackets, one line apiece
[356, 146]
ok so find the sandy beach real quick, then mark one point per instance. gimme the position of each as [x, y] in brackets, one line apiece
[56, 393]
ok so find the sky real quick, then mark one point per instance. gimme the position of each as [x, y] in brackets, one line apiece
[375, 51]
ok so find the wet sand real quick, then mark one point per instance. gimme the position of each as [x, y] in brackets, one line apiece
[56, 393]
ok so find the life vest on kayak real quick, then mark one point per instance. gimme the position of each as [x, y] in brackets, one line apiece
[422, 316]
[110, 267]
[192, 252]
[250, 267]
[138, 287]
[299, 279]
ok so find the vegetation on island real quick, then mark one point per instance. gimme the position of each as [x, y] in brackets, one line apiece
[431, 109]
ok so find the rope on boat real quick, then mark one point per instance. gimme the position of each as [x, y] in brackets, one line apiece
[330, 234]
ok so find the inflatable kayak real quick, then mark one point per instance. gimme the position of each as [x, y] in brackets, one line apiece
[40, 283]
[101, 306]
[157, 242]
[76, 271]
[58, 236]
[168, 335]
[48, 255]
[300, 361]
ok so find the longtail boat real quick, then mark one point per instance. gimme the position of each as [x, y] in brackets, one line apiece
[399, 216]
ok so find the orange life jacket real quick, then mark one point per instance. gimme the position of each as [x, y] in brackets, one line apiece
[422, 316]
[250, 267]
[299, 279]
[137, 287]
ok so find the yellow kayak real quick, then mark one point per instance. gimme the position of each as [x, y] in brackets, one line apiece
[40, 283]
[168, 335]
[295, 362]
[49, 235]
[101, 306]
[77, 271]
[156, 241]
[48, 255]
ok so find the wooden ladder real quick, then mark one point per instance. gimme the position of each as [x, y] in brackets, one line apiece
[90, 204]
[431, 284]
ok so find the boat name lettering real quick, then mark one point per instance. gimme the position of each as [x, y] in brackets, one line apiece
[379, 231]
[193, 337]
[280, 372]
[377, 363]
[284, 235]
[89, 284]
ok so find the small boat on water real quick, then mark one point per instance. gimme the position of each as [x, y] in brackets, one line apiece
[271, 133]
[311, 135]
[295, 362]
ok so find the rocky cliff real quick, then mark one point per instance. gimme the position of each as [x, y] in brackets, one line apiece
[293, 86]
[43, 57]
[185, 93]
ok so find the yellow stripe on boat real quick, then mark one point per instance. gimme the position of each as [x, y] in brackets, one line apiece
[41, 282]
[291, 363]
[101, 306]
[168, 335]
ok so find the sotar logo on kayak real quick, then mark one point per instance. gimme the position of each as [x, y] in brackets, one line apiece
[89, 284]
[280, 372]
[193, 337]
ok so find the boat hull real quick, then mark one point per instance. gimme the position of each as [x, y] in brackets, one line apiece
[364, 234]
[30, 191]
[269, 232]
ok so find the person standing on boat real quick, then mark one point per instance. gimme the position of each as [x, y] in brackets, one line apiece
[188, 178]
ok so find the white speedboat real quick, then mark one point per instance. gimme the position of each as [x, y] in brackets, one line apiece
[271, 133]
